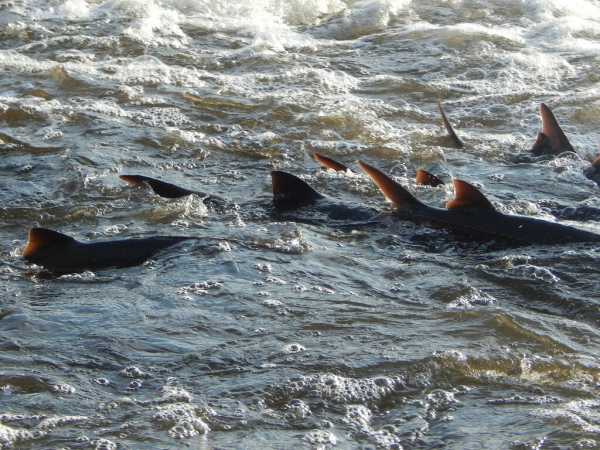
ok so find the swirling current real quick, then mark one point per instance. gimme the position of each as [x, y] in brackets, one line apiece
[282, 333]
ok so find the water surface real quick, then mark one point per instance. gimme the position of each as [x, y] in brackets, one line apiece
[291, 334]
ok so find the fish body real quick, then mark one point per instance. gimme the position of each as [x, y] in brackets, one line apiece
[294, 199]
[172, 191]
[60, 254]
[471, 213]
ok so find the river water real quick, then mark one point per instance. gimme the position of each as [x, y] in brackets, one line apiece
[290, 334]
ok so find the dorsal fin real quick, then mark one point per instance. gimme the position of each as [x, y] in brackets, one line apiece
[542, 145]
[455, 139]
[395, 193]
[42, 238]
[552, 139]
[468, 196]
[427, 179]
[290, 192]
[329, 163]
[166, 190]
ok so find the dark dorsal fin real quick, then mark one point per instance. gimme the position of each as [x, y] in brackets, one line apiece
[455, 139]
[395, 193]
[329, 163]
[42, 238]
[290, 192]
[468, 196]
[427, 179]
[551, 140]
[161, 188]
[542, 145]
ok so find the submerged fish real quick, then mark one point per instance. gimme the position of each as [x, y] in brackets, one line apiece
[553, 141]
[423, 177]
[295, 200]
[60, 254]
[593, 172]
[168, 190]
[471, 213]
[579, 213]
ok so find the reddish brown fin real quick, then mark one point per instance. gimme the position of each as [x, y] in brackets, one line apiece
[542, 145]
[166, 190]
[596, 162]
[133, 180]
[468, 196]
[329, 163]
[552, 139]
[42, 238]
[291, 192]
[425, 178]
[455, 139]
[395, 193]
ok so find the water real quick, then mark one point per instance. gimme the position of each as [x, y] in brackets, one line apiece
[295, 335]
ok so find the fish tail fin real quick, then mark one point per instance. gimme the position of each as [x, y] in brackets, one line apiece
[395, 193]
[449, 129]
[329, 163]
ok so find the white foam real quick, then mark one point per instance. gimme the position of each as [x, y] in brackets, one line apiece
[321, 438]
[50, 423]
[581, 413]
[104, 444]
[473, 298]
[344, 390]
[297, 410]
[367, 17]
[182, 420]
[10, 436]
[293, 348]
[74, 9]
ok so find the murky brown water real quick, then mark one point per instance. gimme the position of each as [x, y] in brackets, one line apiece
[295, 335]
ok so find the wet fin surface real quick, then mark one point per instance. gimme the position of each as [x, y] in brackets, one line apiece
[42, 238]
[329, 163]
[551, 140]
[593, 171]
[468, 196]
[451, 133]
[398, 195]
[166, 190]
[290, 192]
[425, 178]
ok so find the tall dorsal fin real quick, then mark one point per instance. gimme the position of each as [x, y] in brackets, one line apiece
[427, 179]
[395, 193]
[161, 188]
[552, 139]
[290, 192]
[455, 139]
[329, 163]
[468, 196]
[42, 238]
